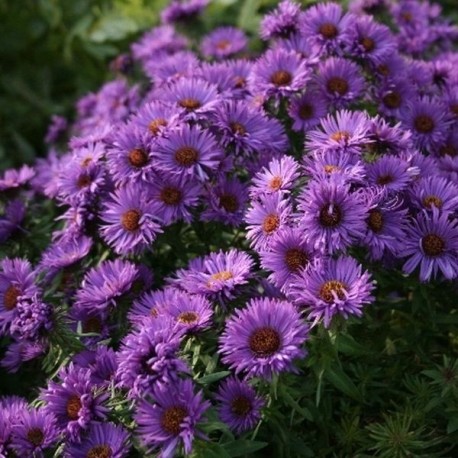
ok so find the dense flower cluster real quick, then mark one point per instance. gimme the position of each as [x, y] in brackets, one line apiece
[332, 150]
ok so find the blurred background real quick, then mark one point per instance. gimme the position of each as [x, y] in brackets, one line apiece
[54, 51]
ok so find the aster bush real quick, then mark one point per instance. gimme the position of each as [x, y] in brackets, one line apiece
[244, 244]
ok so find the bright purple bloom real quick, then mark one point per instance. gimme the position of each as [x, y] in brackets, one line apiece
[437, 192]
[223, 42]
[14, 214]
[153, 119]
[182, 10]
[21, 351]
[56, 129]
[307, 110]
[282, 22]
[101, 362]
[391, 173]
[13, 178]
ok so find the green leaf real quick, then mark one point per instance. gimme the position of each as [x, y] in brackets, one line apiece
[248, 19]
[243, 447]
[337, 377]
[112, 27]
[211, 378]
[452, 425]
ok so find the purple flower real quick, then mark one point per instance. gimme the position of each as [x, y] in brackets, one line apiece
[332, 287]
[264, 338]
[101, 362]
[23, 350]
[182, 10]
[239, 405]
[437, 192]
[166, 69]
[394, 96]
[147, 305]
[131, 224]
[153, 119]
[13, 178]
[307, 110]
[432, 242]
[14, 214]
[56, 129]
[223, 42]
[391, 172]
[172, 419]
[281, 22]
[102, 440]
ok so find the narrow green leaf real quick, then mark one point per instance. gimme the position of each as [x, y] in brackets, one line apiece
[211, 378]
[243, 447]
[337, 377]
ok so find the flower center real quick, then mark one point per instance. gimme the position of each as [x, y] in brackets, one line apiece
[189, 104]
[186, 156]
[73, 407]
[172, 419]
[328, 30]
[407, 16]
[138, 157]
[83, 181]
[92, 324]
[222, 276]
[392, 100]
[281, 78]
[423, 124]
[100, 451]
[237, 128]
[223, 45]
[10, 297]
[295, 258]
[338, 85]
[433, 245]
[429, 201]
[275, 183]
[86, 161]
[330, 215]
[454, 109]
[239, 82]
[383, 69]
[155, 125]
[264, 342]
[229, 202]
[306, 111]
[367, 43]
[329, 168]
[187, 317]
[35, 436]
[130, 220]
[271, 223]
[241, 406]
[340, 135]
[375, 220]
[170, 195]
[383, 180]
[330, 287]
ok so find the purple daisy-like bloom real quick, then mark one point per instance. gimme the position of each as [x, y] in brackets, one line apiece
[385, 138]
[391, 172]
[182, 10]
[13, 178]
[278, 73]
[147, 305]
[239, 405]
[103, 440]
[346, 131]
[74, 400]
[169, 68]
[32, 432]
[437, 192]
[148, 356]
[264, 338]
[101, 362]
[90, 323]
[172, 419]
[432, 242]
[266, 217]
[131, 224]
[428, 120]
[394, 96]
[238, 71]
[17, 283]
[287, 255]
[154, 119]
[188, 150]
[21, 351]
[282, 22]
[333, 217]
[14, 214]
[307, 110]
[340, 81]
[332, 287]
[56, 129]
[326, 27]
[223, 42]
[47, 171]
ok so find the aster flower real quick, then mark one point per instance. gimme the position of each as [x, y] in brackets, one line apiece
[432, 242]
[239, 405]
[264, 338]
[391, 172]
[282, 22]
[299, 44]
[223, 42]
[332, 287]
[173, 418]
[131, 223]
[56, 129]
[182, 10]
[238, 71]
[90, 323]
[74, 401]
[278, 73]
[434, 191]
[21, 351]
[307, 110]
[385, 138]
[395, 95]
[32, 432]
[333, 217]
[216, 73]
[102, 440]
[14, 214]
[47, 171]
[147, 305]
[101, 361]
[340, 81]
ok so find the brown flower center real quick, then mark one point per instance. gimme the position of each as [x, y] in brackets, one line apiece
[306, 111]
[330, 215]
[237, 128]
[407, 16]
[423, 124]
[222, 45]
[138, 157]
[241, 406]
[189, 104]
[454, 109]
[172, 419]
[264, 342]
[170, 195]
[383, 180]
[10, 297]
[271, 223]
[83, 181]
[35, 436]
[155, 125]
[330, 287]
[186, 156]
[433, 245]
[328, 30]
[429, 201]
[281, 78]
[229, 202]
[337, 84]
[239, 82]
[368, 44]
[383, 69]
[340, 135]
[86, 161]
[392, 100]
[295, 259]
[100, 451]
[222, 276]
[73, 407]
[188, 317]
[375, 220]
[92, 324]
[130, 220]
[275, 183]
[329, 168]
